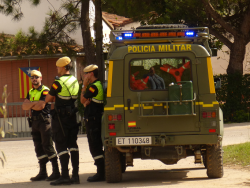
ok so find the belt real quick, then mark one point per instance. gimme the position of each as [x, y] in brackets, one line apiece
[90, 118]
[39, 117]
[35, 118]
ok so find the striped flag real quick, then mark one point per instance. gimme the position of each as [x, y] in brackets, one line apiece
[24, 80]
[132, 123]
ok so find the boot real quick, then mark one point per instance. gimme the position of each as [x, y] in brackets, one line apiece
[75, 179]
[75, 165]
[100, 175]
[42, 175]
[61, 181]
[64, 178]
[55, 170]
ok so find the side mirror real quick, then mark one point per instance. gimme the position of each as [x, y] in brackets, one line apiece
[214, 52]
[217, 83]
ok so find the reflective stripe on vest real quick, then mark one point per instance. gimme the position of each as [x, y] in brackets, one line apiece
[36, 94]
[71, 83]
[99, 97]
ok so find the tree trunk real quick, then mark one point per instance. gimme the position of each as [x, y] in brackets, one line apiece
[86, 35]
[235, 72]
[98, 29]
[237, 55]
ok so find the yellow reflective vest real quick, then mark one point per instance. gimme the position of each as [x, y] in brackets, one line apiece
[70, 87]
[99, 97]
[35, 94]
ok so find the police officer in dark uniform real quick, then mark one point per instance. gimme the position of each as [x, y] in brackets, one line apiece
[41, 128]
[64, 91]
[92, 99]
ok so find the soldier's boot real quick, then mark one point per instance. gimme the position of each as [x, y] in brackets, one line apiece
[100, 175]
[42, 175]
[64, 178]
[75, 164]
[55, 170]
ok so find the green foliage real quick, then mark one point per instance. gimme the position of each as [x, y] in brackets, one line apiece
[54, 36]
[237, 154]
[190, 12]
[234, 97]
[241, 116]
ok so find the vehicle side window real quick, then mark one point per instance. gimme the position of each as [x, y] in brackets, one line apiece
[157, 74]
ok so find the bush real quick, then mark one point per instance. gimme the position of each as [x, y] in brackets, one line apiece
[234, 97]
[240, 116]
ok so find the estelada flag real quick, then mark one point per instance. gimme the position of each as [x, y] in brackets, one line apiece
[24, 80]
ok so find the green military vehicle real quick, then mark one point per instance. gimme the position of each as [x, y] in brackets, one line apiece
[161, 101]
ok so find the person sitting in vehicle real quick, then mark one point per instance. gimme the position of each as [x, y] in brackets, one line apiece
[155, 81]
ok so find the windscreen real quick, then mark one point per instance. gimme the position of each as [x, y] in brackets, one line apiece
[157, 74]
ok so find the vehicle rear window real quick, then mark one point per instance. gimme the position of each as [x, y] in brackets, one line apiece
[157, 74]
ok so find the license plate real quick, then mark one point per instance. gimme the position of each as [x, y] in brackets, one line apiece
[133, 140]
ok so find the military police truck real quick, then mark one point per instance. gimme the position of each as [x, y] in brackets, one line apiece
[161, 101]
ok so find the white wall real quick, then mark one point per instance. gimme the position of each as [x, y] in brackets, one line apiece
[130, 26]
[220, 63]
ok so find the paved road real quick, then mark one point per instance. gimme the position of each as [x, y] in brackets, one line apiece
[22, 164]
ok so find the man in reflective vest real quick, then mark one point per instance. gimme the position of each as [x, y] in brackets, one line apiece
[41, 128]
[64, 91]
[92, 99]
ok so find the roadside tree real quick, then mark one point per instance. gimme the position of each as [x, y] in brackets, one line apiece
[228, 21]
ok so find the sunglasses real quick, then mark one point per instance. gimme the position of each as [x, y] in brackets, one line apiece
[34, 77]
[87, 72]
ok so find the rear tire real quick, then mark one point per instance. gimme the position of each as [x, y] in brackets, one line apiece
[214, 161]
[113, 165]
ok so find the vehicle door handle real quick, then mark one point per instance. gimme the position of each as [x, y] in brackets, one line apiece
[128, 103]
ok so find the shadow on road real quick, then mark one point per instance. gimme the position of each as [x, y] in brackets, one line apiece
[130, 179]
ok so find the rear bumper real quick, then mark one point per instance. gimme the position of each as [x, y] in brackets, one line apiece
[172, 140]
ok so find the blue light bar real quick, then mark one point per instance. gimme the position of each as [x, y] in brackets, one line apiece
[118, 38]
[189, 33]
[127, 35]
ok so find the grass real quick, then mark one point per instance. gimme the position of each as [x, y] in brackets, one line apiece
[237, 154]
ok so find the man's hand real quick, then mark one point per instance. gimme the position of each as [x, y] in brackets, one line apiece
[27, 104]
[39, 106]
[87, 102]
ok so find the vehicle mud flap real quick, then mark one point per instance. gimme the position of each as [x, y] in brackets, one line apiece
[214, 161]
[123, 162]
[113, 165]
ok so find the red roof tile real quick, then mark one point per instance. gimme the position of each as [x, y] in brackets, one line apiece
[115, 20]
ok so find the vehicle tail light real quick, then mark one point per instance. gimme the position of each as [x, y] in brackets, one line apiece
[119, 117]
[110, 117]
[115, 117]
[213, 114]
[209, 114]
[111, 126]
[212, 130]
[112, 134]
[204, 114]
